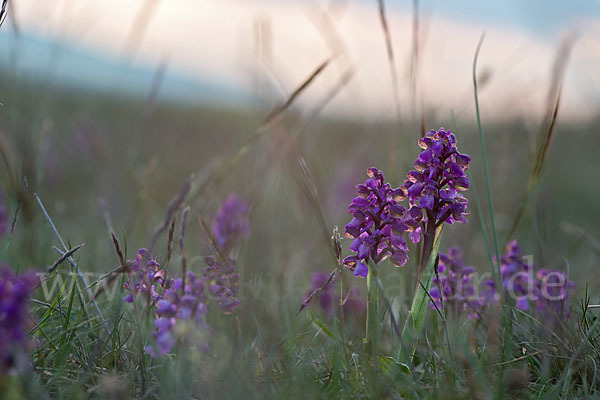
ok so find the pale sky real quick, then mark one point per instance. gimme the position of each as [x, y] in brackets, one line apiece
[268, 47]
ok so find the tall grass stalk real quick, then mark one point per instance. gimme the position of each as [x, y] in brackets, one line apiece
[372, 329]
[486, 173]
[506, 322]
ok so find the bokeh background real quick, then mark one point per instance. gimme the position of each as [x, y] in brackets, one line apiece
[108, 107]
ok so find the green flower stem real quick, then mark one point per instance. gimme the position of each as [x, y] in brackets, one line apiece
[418, 310]
[372, 329]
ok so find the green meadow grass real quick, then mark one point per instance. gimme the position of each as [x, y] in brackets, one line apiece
[101, 162]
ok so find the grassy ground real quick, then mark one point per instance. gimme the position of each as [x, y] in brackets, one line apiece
[101, 162]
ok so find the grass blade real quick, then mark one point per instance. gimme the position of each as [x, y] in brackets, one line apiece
[72, 262]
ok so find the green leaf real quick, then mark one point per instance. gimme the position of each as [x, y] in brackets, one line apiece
[420, 304]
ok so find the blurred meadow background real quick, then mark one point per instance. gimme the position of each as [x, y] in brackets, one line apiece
[119, 114]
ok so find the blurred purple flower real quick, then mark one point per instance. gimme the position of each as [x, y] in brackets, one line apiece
[324, 298]
[144, 278]
[354, 303]
[231, 222]
[14, 317]
[517, 275]
[3, 215]
[438, 178]
[539, 290]
[328, 297]
[552, 287]
[222, 283]
[181, 303]
[378, 224]
[455, 281]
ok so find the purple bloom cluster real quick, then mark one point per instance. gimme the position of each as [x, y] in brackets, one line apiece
[516, 274]
[328, 297]
[553, 288]
[145, 277]
[222, 283]
[378, 224]
[438, 178]
[453, 286]
[183, 302]
[433, 190]
[14, 295]
[541, 290]
[232, 221]
[175, 301]
[3, 215]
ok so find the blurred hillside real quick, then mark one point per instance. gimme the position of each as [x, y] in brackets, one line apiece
[52, 62]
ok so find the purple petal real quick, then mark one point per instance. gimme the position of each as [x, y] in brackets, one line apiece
[355, 244]
[427, 201]
[165, 342]
[361, 270]
[415, 236]
[150, 350]
[163, 324]
[164, 306]
[350, 261]
[463, 160]
[462, 183]
[523, 304]
[426, 156]
[399, 258]
[364, 250]
[415, 190]
[456, 170]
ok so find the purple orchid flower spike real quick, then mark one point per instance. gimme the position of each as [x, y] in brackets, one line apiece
[378, 224]
[436, 183]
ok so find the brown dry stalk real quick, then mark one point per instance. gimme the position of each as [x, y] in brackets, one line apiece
[547, 129]
[290, 100]
[120, 254]
[63, 257]
[170, 242]
[315, 292]
[174, 206]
